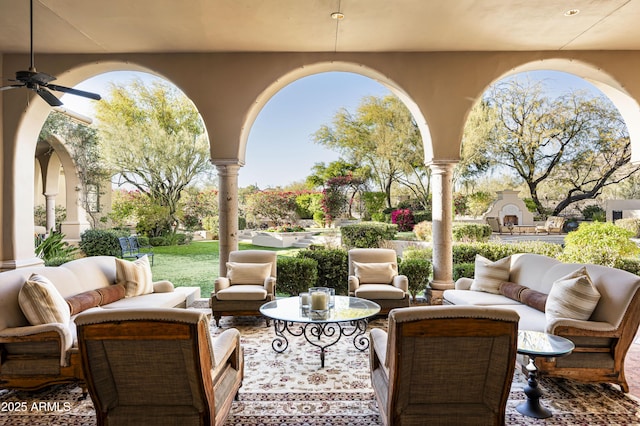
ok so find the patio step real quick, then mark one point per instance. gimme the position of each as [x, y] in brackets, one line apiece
[305, 242]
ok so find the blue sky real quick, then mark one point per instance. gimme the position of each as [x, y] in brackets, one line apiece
[280, 148]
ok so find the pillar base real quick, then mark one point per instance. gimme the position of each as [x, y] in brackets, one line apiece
[8, 265]
[433, 296]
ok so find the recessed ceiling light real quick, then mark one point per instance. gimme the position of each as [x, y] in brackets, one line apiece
[572, 12]
[338, 16]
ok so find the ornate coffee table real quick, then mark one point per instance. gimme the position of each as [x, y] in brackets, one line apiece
[535, 344]
[348, 317]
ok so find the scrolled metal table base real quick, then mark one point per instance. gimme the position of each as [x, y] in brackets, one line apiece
[313, 332]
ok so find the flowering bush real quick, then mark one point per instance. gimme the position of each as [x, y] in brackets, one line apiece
[286, 228]
[403, 218]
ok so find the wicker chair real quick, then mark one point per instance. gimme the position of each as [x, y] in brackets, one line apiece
[250, 283]
[158, 367]
[373, 275]
[444, 365]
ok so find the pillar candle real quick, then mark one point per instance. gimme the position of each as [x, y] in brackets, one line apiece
[318, 301]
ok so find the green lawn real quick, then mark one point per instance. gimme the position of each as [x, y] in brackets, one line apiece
[196, 264]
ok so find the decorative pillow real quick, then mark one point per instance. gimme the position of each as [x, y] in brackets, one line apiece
[111, 294]
[82, 301]
[573, 296]
[248, 273]
[489, 275]
[42, 303]
[136, 276]
[375, 273]
[534, 299]
[511, 290]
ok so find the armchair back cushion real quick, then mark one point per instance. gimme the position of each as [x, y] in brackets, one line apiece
[375, 273]
[255, 256]
[371, 255]
[248, 273]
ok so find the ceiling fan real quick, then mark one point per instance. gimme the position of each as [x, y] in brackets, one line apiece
[40, 82]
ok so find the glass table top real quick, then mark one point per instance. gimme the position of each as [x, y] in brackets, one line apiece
[346, 309]
[537, 343]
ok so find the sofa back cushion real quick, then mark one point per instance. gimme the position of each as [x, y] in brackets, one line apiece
[528, 269]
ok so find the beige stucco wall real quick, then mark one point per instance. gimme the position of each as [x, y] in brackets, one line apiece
[229, 90]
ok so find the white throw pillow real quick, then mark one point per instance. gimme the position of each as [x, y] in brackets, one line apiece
[375, 273]
[489, 275]
[248, 273]
[136, 276]
[573, 296]
[42, 303]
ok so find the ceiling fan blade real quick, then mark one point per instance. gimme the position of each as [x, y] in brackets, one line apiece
[12, 86]
[72, 91]
[48, 97]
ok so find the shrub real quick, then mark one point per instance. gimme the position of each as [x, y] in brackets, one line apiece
[418, 272]
[100, 242]
[296, 274]
[417, 253]
[423, 231]
[599, 243]
[468, 232]
[332, 266]
[594, 212]
[466, 252]
[159, 241]
[367, 235]
[54, 251]
[463, 270]
[630, 265]
[421, 216]
[630, 224]
[403, 218]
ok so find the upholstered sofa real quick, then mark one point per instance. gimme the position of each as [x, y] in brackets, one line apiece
[601, 340]
[34, 356]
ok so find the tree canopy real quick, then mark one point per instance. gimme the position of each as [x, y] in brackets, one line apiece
[569, 147]
[153, 139]
[383, 137]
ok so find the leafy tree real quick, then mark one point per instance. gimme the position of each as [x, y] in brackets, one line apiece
[571, 146]
[83, 145]
[349, 177]
[196, 205]
[277, 206]
[382, 136]
[153, 137]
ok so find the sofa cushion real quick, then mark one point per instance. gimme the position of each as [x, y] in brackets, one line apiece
[136, 276]
[489, 275]
[379, 291]
[375, 273]
[242, 292]
[41, 303]
[248, 273]
[573, 296]
[476, 298]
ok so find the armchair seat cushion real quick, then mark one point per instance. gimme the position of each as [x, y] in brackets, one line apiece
[379, 291]
[242, 292]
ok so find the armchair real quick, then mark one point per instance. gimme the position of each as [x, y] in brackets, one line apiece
[373, 275]
[553, 224]
[250, 283]
[445, 365]
[158, 366]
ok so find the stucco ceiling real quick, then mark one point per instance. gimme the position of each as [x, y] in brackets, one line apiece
[123, 26]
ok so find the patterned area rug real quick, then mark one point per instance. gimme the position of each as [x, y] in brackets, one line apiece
[290, 388]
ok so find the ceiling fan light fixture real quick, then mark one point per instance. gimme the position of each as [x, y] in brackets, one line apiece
[572, 12]
[338, 16]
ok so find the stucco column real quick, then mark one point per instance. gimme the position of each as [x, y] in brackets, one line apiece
[442, 219]
[228, 217]
[50, 208]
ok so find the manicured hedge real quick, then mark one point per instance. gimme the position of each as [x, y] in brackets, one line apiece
[100, 242]
[471, 232]
[333, 268]
[367, 235]
[296, 275]
[630, 224]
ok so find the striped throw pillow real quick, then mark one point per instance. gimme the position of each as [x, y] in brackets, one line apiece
[42, 303]
[136, 276]
[488, 275]
[573, 296]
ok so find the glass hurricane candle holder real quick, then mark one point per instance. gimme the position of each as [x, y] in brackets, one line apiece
[319, 302]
